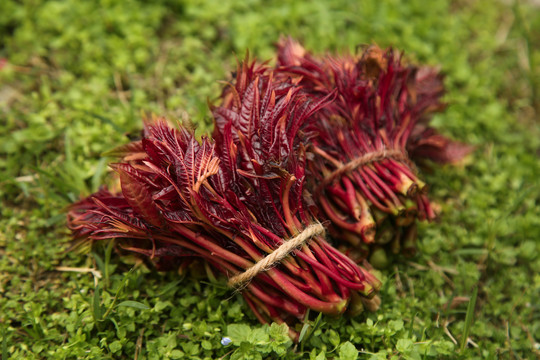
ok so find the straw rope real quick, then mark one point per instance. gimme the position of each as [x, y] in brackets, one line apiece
[277, 255]
[364, 160]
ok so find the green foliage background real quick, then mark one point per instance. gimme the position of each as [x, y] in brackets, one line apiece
[77, 74]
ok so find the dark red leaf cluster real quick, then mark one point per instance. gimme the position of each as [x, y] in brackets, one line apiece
[232, 202]
[330, 135]
[367, 138]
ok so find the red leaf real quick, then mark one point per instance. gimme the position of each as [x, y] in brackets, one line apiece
[430, 145]
[139, 196]
[130, 151]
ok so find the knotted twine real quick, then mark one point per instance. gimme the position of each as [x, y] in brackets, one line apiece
[277, 255]
[364, 160]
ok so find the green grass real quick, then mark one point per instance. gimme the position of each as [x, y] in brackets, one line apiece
[80, 73]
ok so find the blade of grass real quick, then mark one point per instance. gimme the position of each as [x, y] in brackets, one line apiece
[98, 174]
[304, 328]
[4, 343]
[105, 120]
[100, 263]
[468, 320]
[108, 252]
[133, 304]
[411, 326]
[316, 324]
[72, 171]
[115, 299]
[526, 35]
[96, 304]
[170, 287]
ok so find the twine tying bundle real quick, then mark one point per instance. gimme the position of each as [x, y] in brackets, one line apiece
[277, 255]
[364, 160]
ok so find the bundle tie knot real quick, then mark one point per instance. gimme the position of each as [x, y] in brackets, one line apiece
[277, 255]
[361, 161]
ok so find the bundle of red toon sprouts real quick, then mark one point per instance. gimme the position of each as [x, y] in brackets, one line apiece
[313, 155]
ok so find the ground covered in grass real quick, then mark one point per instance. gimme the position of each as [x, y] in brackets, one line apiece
[74, 78]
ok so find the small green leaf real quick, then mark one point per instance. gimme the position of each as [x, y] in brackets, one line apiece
[279, 331]
[176, 354]
[246, 351]
[347, 351]
[134, 304]
[395, 325]
[381, 355]
[444, 347]
[321, 356]
[206, 345]
[115, 346]
[259, 336]
[238, 332]
[333, 337]
[404, 345]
